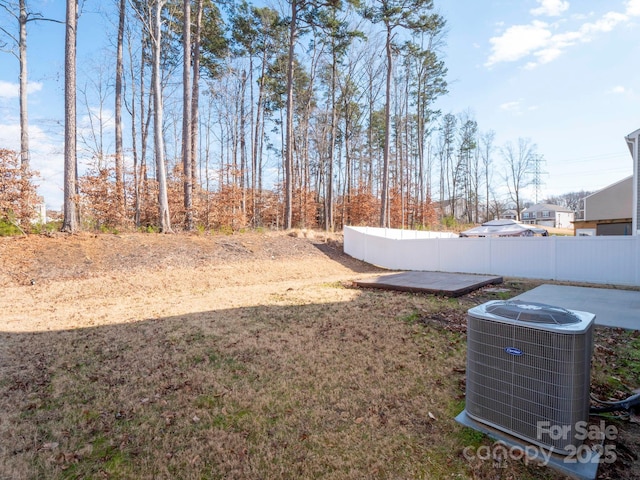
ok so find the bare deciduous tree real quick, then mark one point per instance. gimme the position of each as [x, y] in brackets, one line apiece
[186, 114]
[118, 109]
[23, 15]
[156, 85]
[486, 152]
[519, 161]
[70, 222]
[150, 16]
[408, 15]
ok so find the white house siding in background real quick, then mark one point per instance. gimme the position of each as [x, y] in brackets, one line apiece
[615, 209]
[608, 211]
[509, 214]
[611, 203]
[548, 215]
[633, 139]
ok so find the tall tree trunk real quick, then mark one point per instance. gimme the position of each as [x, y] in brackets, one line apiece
[384, 219]
[289, 141]
[256, 180]
[146, 115]
[24, 119]
[120, 195]
[134, 138]
[195, 97]
[371, 107]
[332, 141]
[70, 222]
[346, 202]
[251, 181]
[186, 115]
[163, 202]
[420, 111]
[243, 145]
[405, 175]
[259, 149]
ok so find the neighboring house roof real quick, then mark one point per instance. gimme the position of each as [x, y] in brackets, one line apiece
[546, 207]
[626, 179]
[631, 139]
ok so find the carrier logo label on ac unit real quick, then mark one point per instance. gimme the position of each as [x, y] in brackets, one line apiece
[513, 351]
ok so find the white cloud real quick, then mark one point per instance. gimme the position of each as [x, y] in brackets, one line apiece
[617, 89]
[10, 136]
[12, 90]
[605, 24]
[551, 8]
[548, 54]
[8, 89]
[519, 41]
[567, 39]
[510, 106]
[46, 158]
[580, 16]
[539, 41]
[33, 87]
[633, 8]
[517, 107]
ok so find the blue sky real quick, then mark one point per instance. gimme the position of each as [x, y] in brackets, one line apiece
[562, 73]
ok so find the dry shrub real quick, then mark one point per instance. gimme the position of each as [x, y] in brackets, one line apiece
[269, 211]
[99, 200]
[232, 207]
[18, 195]
[360, 208]
[407, 212]
[228, 212]
[148, 202]
[175, 196]
[305, 208]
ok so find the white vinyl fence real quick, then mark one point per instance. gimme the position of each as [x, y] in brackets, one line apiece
[604, 260]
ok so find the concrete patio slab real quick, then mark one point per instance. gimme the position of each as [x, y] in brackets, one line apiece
[439, 283]
[613, 308]
[584, 469]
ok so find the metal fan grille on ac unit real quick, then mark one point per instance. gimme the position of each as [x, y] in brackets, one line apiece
[519, 376]
[533, 312]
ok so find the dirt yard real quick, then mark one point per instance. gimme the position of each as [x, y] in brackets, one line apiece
[243, 356]
[94, 280]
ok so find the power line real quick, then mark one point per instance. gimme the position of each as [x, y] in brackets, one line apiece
[593, 172]
[603, 156]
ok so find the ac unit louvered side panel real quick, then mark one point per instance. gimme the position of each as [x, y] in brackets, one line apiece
[548, 382]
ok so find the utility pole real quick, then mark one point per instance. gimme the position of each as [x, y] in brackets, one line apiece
[538, 160]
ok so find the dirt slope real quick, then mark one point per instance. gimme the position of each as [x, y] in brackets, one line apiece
[73, 281]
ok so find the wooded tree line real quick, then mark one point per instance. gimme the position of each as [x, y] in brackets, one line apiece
[233, 115]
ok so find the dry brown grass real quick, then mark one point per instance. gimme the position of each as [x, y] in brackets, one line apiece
[254, 369]
[287, 390]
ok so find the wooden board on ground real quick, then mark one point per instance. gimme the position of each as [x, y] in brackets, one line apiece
[439, 283]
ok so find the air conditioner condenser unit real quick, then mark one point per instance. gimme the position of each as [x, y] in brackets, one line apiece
[528, 371]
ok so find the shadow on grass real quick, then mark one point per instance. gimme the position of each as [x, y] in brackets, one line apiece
[336, 253]
[351, 389]
[291, 390]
